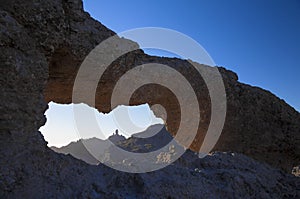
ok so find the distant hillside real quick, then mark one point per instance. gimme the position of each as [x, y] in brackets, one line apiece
[79, 151]
[152, 139]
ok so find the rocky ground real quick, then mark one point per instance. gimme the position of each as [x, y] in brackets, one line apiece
[43, 173]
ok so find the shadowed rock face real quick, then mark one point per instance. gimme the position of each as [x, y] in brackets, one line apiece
[42, 44]
[60, 34]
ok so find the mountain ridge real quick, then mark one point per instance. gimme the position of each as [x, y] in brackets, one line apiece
[153, 138]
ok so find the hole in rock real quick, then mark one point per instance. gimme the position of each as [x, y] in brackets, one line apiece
[69, 126]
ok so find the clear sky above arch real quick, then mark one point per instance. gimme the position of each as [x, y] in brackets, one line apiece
[258, 39]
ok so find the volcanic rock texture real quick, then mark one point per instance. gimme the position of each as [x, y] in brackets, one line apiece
[42, 44]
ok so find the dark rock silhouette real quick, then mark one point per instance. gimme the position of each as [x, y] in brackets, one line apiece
[116, 137]
[42, 44]
[153, 138]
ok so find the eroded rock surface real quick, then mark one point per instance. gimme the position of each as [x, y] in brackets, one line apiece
[41, 38]
[257, 124]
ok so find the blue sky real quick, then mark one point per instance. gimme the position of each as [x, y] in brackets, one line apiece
[63, 127]
[257, 39]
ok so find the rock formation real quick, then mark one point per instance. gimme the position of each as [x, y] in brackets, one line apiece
[138, 143]
[42, 44]
[258, 123]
